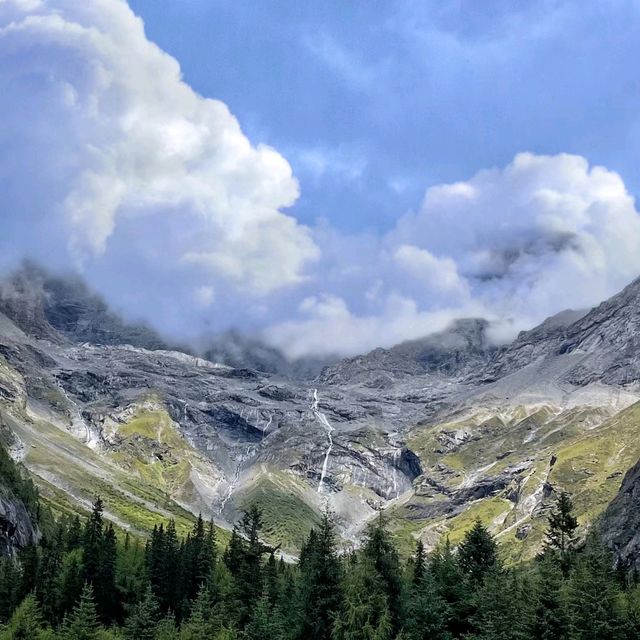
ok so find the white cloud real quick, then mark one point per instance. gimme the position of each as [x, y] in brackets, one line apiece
[336, 164]
[439, 274]
[119, 140]
[514, 245]
[542, 230]
[328, 327]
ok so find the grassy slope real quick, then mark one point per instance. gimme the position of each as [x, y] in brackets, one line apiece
[592, 451]
[286, 515]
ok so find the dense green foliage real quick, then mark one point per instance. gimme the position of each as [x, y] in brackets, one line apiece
[83, 583]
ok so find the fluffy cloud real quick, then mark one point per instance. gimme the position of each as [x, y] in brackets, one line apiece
[543, 229]
[110, 141]
[514, 245]
[439, 274]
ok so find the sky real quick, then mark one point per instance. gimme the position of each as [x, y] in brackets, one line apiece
[330, 176]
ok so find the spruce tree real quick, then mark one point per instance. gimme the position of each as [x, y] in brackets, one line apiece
[244, 560]
[167, 629]
[74, 535]
[263, 625]
[70, 582]
[321, 582]
[453, 589]
[30, 563]
[92, 542]
[502, 611]
[9, 583]
[105, 589]
[26, 623]
[550, 619]
[143, 620]
[201, 622]
[595, 597]
[419, 564]
[364, 612]
[46, 588]
[478, 553]
[560, 537]
[427, 614]
[379, 548]
[82, 623]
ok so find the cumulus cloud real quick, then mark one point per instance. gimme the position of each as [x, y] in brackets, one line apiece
[107, 136]
[513, 245]
[543, 227]
[440, 274]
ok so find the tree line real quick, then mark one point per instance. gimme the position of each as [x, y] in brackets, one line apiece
[85, 582]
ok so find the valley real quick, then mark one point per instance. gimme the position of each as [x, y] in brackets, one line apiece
[435, 433]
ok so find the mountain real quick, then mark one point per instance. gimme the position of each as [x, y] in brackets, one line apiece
[51, 307]
[436, 431]
[453, 352]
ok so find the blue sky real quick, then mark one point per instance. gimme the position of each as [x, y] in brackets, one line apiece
[397, 96]
[331, 176]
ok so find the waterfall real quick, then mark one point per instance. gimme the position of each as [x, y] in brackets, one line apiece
[322, 419]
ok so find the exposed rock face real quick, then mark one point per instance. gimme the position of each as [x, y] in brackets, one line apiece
[606, 341]
[454, 352]
[46, 306]
[620, 524]
[17, 530]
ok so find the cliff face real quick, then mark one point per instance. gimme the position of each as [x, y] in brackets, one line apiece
[17, 529]
[620, 525]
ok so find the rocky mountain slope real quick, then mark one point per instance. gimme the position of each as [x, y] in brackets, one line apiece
[436, 431]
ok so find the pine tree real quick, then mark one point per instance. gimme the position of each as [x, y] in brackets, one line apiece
[143, 620]
[551, 619]
[92, 542]
[26, 623]
[478, 553]
[379, 548]
[321, 582]
[82, 623]
[560, 537]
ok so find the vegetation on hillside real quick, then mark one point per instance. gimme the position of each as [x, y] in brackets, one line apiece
[86, 582]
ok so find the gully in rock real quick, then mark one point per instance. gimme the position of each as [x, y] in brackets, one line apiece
[322, 419]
